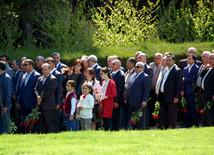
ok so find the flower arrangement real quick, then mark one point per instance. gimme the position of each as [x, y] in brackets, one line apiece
[156, 110]
[184, 104]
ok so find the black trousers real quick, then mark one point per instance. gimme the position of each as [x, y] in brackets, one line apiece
[150, 121]
[57, 120]
[116, 118]
[167, 115]
[46, 121]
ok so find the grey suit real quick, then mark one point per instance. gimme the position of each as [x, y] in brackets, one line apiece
[9, 71]
[48, 103]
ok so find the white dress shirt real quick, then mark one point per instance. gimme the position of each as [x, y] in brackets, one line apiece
[165, 77]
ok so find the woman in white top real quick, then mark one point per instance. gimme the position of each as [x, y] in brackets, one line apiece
[90, 77]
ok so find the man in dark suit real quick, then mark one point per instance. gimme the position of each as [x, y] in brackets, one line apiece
[198, 89]
[138, 94]
[46, 86]
[189, 79]
[119, 79]
[208, 87]
[183, 63]
[131, 62]
[40, 60]
[169, 94]
[8, 70]
[109, 63]
[92, 62]
[27, 98]
[58, 92]
[58, 64]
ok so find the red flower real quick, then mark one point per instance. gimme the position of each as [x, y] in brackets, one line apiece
[30, 128]
[35, 121]
[63, 107]
[178, 110]
[84, 96]
[31, 120]
[185, 111]
[202, 111]
[26, 125]
[21, 124]
[62, 89]
[182, 110]
[95, 89]
[198, 111]
[133, 123]
[155, 116]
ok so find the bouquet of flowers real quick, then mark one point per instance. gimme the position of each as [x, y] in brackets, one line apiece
[33, 116]
[156, 110]
[137, 115]
[208, 105]
[184, 104]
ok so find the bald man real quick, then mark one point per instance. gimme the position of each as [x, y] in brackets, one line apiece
[119, 79]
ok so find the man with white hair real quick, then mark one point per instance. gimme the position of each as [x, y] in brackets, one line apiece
[183, 63]
[156, 68]
[138, 94]
[92, 62]
[40, 60]
[198, 90]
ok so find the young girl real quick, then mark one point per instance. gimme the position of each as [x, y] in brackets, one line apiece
[70, 104]
[85, 106]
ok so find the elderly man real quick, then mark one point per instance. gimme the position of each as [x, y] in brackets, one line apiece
[183, 63]
[137, 53]
[8, 70]
[40, 60]
[198, 90]
[93, 63]
[58, 64]
[156, 68]
[119, 79]
[170, 88]
[207, 86]
[46, 85]
[138, 94]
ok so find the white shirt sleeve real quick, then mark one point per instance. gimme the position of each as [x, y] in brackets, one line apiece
[73, 105]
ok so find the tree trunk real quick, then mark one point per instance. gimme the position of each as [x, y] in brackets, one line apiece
[27, 32]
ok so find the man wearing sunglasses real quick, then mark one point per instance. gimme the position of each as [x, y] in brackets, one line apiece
[138, 94]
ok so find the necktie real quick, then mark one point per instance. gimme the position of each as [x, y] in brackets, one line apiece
[134, 78]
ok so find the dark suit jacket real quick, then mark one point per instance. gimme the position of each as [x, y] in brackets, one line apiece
[9, 71]
[97, 69]
[209, 84]
[60, 66]
[16, 81]
[58, 92]
[201, 70]
[183, 63]
[27, 97]
[148, 70]
[189, 79]
[119, 80]
[172, 86]
[139, 90]
[49, 88]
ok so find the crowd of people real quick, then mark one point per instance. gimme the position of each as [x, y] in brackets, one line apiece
[87, 96]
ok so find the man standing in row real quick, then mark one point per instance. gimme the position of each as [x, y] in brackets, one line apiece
[58, 64]
[40, 60]
[46, 86]
[8, 70]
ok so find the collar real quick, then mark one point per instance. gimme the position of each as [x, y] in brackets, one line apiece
[170, 68]
[57, 64]
[131, 70]
[139, 73]
[70, 92]
[94, 65]
[47, 76]
[115, 71]
[30, 73]
[53, 70]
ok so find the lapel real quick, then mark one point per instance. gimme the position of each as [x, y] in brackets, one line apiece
[31, 76]
[170, 73]
[45, 85]
[116, 75]
[192, 69]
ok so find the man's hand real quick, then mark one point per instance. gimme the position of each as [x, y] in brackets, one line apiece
[182, 93]
[71, 118]
[57, 106]
[144, 104]
[116, 105]
[14, 97]
[17, 105]
[39, 100]
[80, 107]
[125, 101]
[5, 110]
[175, 100]
[213, 97]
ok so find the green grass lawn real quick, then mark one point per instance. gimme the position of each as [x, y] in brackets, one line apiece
[185, 141]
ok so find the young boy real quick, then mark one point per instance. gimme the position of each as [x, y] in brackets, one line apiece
[70, 104]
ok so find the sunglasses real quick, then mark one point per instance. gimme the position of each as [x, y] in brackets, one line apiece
[26, 64]
[137, 66]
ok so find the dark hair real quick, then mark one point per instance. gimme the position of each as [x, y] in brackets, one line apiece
[55, 53]
[168, 53]
[106, 70]
[7, 57]
[91, 72]
[133, 60]
[72, 83]
[173, 57]
[50, 59]
[2, 65]
[193, 57]
[18, 62]
[81, 63]
[30, 61]
[89, 87]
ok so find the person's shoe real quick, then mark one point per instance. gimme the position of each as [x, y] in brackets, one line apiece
[183, 123]
[186, 126]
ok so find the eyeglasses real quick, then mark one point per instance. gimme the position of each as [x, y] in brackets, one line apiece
[137, 66]
[26, 64]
